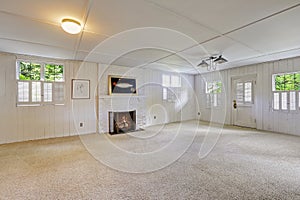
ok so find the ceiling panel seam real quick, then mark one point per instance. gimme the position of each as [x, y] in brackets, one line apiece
[185, 17]
[217, 32]
[86, 14]
[36, 43]
[262, 19]
[29, 18]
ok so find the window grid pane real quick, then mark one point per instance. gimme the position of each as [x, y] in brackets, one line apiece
[292, 100]
[166, 80]
[209, 87]
[175, 81]
[248, 92]
[284, 105]
[59, 92]
[276, 101]
[47, 92]
[165, 94]
[240, 92]
[23, 91]
[215, 103]
[36, 92]
[171, 88]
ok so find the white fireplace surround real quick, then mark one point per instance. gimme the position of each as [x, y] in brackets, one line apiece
[110, 103]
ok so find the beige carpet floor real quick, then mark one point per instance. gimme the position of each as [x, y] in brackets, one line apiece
[245, 164]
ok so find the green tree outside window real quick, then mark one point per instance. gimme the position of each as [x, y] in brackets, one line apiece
[287, 82]
[54, 72]
[214, 87]
[30, 71]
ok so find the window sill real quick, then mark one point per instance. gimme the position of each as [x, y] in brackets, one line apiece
[38, 105]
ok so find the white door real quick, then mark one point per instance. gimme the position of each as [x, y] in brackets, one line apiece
[243, 104]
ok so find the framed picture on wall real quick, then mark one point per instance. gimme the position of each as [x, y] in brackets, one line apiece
[80, 89]
[118, 85]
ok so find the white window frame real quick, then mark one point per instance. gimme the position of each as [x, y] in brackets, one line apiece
[297, 101]
[213, 99]
[244, 102]
[42, 81]
[171, 90]
[297, 96]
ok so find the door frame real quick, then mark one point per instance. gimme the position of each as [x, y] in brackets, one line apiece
[232, 79]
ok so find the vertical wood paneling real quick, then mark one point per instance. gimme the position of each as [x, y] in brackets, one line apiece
[296, 63]
[41, 117]
[259, 96]
[28, 123]
[83, 109]
[267, 119]
[265, 101]
[282, 116]
[2, 79]
[20, 125]
[59, 121]
[28, 126]
[290, 123]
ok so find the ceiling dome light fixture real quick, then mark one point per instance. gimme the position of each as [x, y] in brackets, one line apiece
[71, 26]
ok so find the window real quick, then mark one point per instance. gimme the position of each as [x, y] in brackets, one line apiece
[286, 82]
[175, 81]
[171, 87]
[240, 92]
[213, 90]
[293, 100]
[166, 80]
[284, 102]
[39, 83]
[276, 102]
[248, 92]
[299, 99]
[285, 87]
[165, 93]
[213, 87]
[244, 92]
[23, 91]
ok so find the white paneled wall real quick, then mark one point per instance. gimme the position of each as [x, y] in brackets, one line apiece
[151, 109]
[266, 118]
[37, 122]
[159, 111]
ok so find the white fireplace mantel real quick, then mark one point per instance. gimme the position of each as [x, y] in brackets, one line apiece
[120, 96]
[121, 103]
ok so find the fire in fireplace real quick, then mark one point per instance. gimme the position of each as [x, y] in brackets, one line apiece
[122, 122]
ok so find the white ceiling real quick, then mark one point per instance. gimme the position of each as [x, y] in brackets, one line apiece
[243, 31]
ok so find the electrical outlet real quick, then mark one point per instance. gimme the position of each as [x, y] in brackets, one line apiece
[154, 117]
[198, 113]
[81, 124]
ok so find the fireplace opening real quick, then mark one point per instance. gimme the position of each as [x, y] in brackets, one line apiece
[122, 122]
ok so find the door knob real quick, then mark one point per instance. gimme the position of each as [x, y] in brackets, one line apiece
[234, 104]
